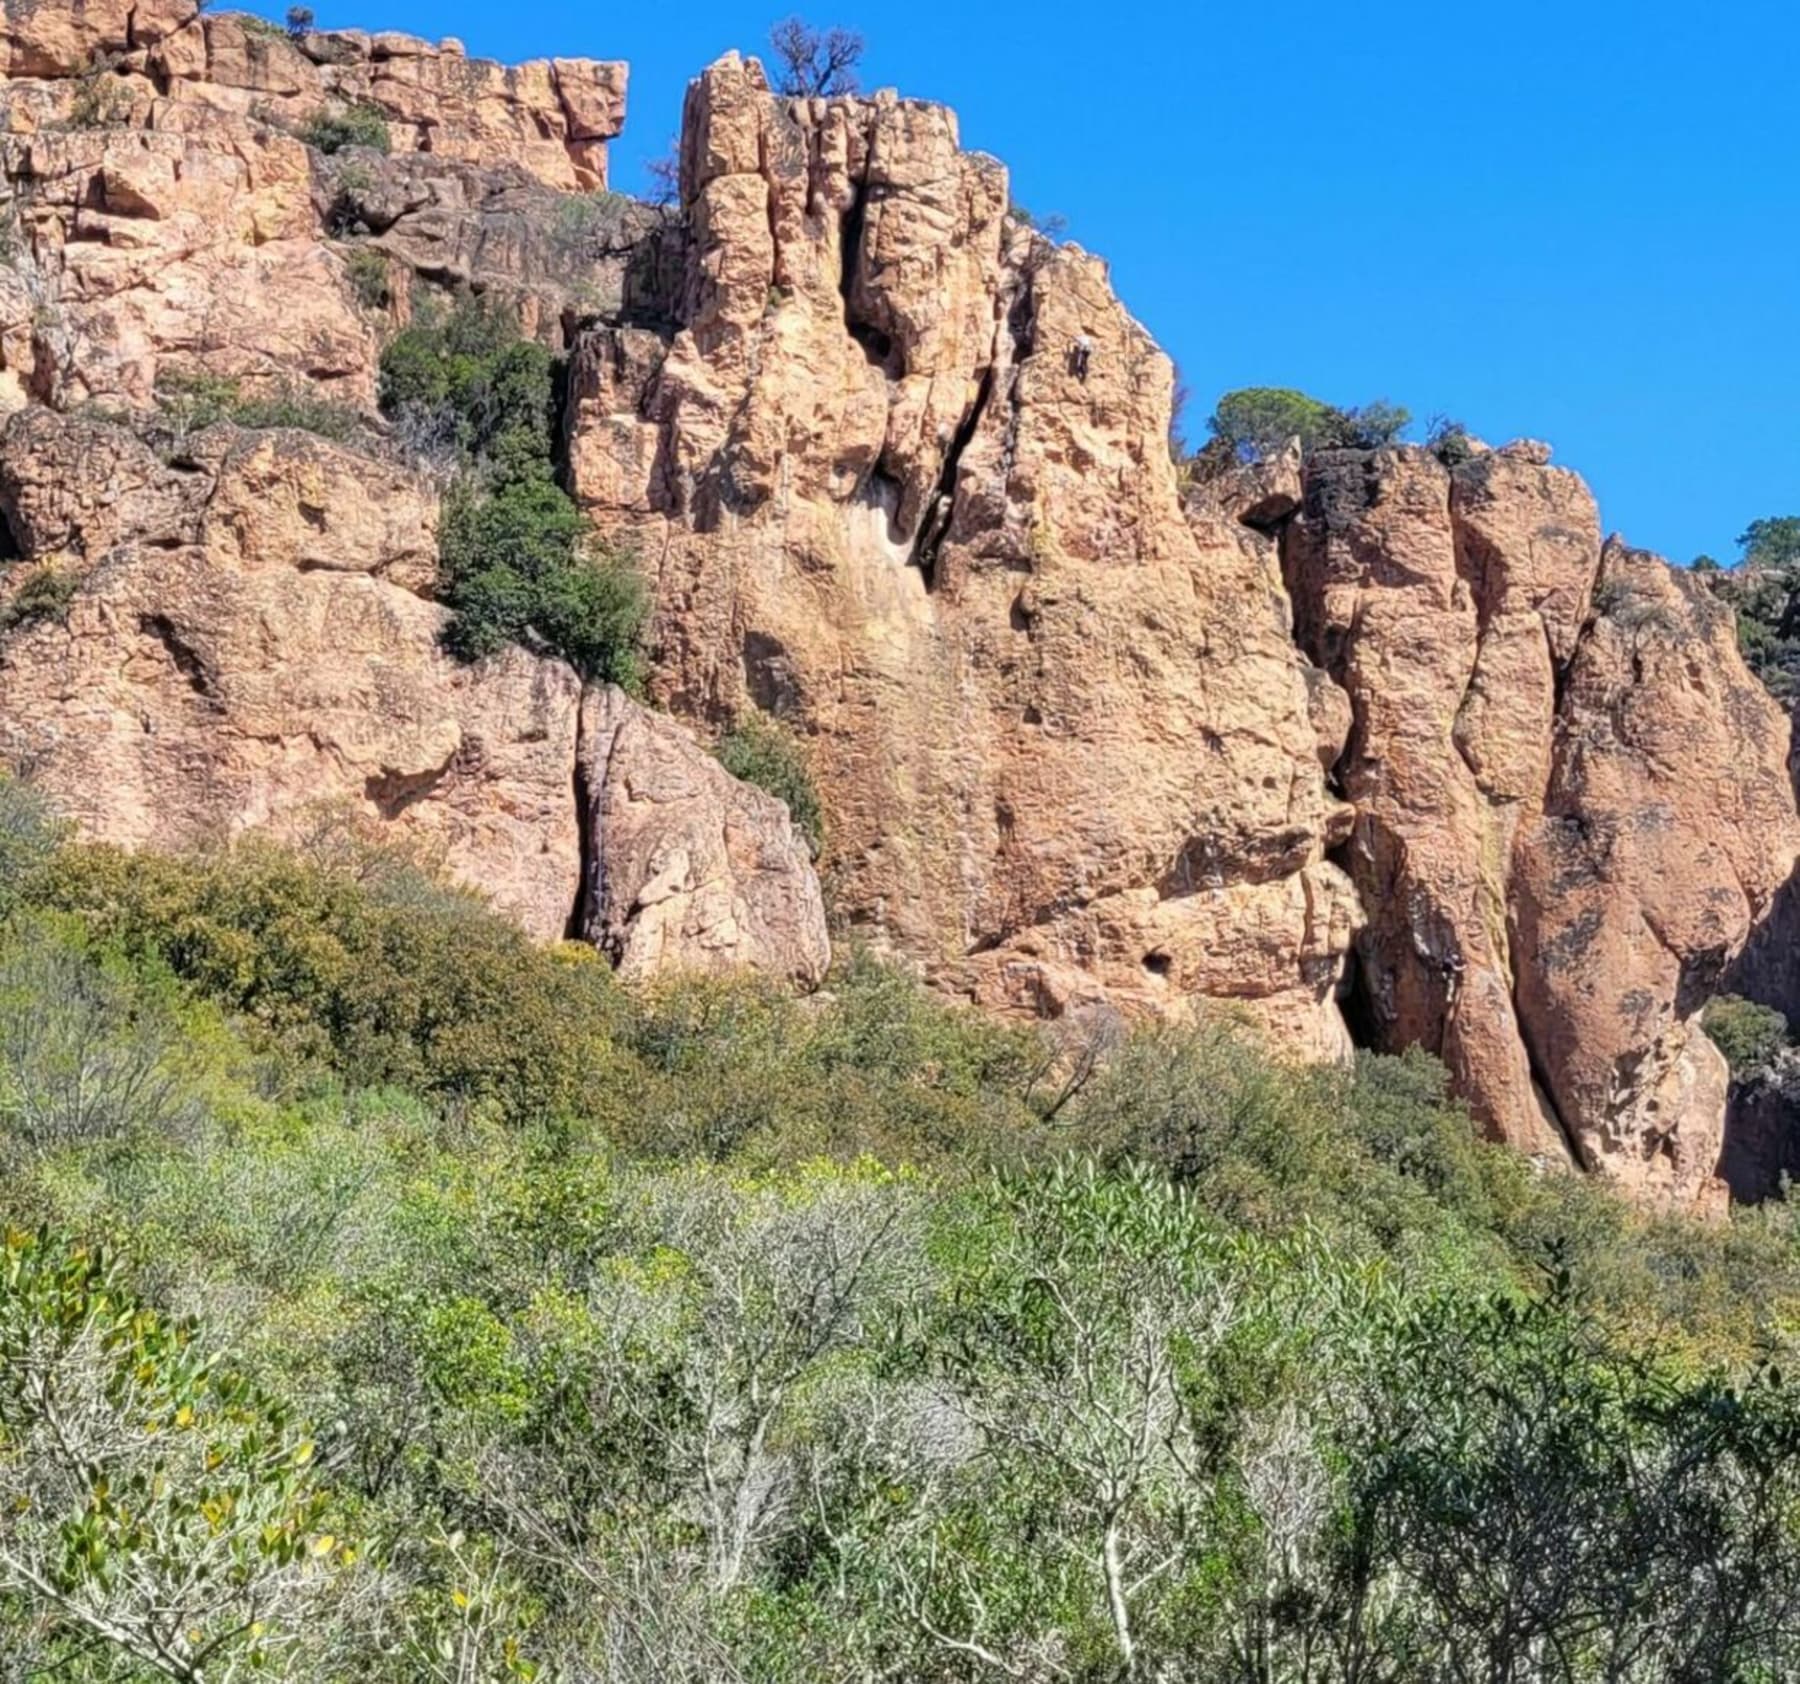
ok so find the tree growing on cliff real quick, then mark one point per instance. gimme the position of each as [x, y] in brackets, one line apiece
[814, 63]
[1258, 421]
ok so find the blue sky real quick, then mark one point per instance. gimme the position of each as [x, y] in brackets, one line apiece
[1574, 221]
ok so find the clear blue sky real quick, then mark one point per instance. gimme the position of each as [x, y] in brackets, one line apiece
[1578, 221]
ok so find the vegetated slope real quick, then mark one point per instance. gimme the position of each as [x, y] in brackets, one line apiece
[544, 1327]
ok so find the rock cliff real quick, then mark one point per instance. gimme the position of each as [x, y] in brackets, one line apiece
[1572, 800]
[1361, 736]
[901, 469]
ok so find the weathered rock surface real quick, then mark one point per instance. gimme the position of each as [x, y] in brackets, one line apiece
[163, 218]
[249, 649]
[171, 250]
[551, 117]
[693, 869]
[1667, 829]
[1064, 739]
[1571, 800]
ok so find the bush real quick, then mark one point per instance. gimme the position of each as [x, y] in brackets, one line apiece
[373, 969]
[370, 278]
[348, 125]
[299, 22]
[45, 594]
[1260, 420]
[514, 567]
[30, 835]
[761, 752]
[190, 403]
[514, 560]
[1747, 1034]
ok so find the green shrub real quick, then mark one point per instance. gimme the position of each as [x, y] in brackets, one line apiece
[515, 560]
[191, 402]
[1260, 420]
[1747, 1034]
[370, 278]
[30, 835]
[346, 126]
[516, 567]
[45, 594]
[762, 752]
[295, 406]
[369, 967]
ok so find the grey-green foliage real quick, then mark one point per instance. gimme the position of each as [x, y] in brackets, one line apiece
[188, 403]
[338, 128]
[30, 835]
[44, 593]
[698, 1333]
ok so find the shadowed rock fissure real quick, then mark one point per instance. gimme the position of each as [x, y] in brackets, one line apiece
[935, 522]
[584, 915]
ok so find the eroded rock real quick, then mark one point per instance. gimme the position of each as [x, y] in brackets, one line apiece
[250, 650]
[902, 466]
[1571, 800]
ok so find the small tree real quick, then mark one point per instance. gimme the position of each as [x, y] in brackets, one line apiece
[814, 63]
[1258, 421]
[1774, 542]
[299, 21]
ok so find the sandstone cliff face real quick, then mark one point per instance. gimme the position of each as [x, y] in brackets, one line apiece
[163, 216]
[250, 651]
[1063, 737]
[1571, 797]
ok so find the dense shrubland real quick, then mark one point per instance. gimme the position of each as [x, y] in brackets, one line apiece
[384, 1298]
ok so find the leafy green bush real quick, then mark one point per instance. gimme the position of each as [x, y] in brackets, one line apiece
[346, 126]
[44, 594]
[159, 1505]
[376, 971]
[370, 278]
[761, 752]
[515, 560]
[30, 836]
[1260, 420]
[1749, 1035]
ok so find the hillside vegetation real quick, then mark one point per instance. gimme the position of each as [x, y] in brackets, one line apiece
[383, 1297]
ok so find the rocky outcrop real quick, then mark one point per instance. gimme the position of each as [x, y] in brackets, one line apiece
[1667, 829]
[163, 218]
[1092, 737]
[139, 253]
[551, 118]
[692, 869]
[900, 468]
[249, 649]
[1571, 800]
